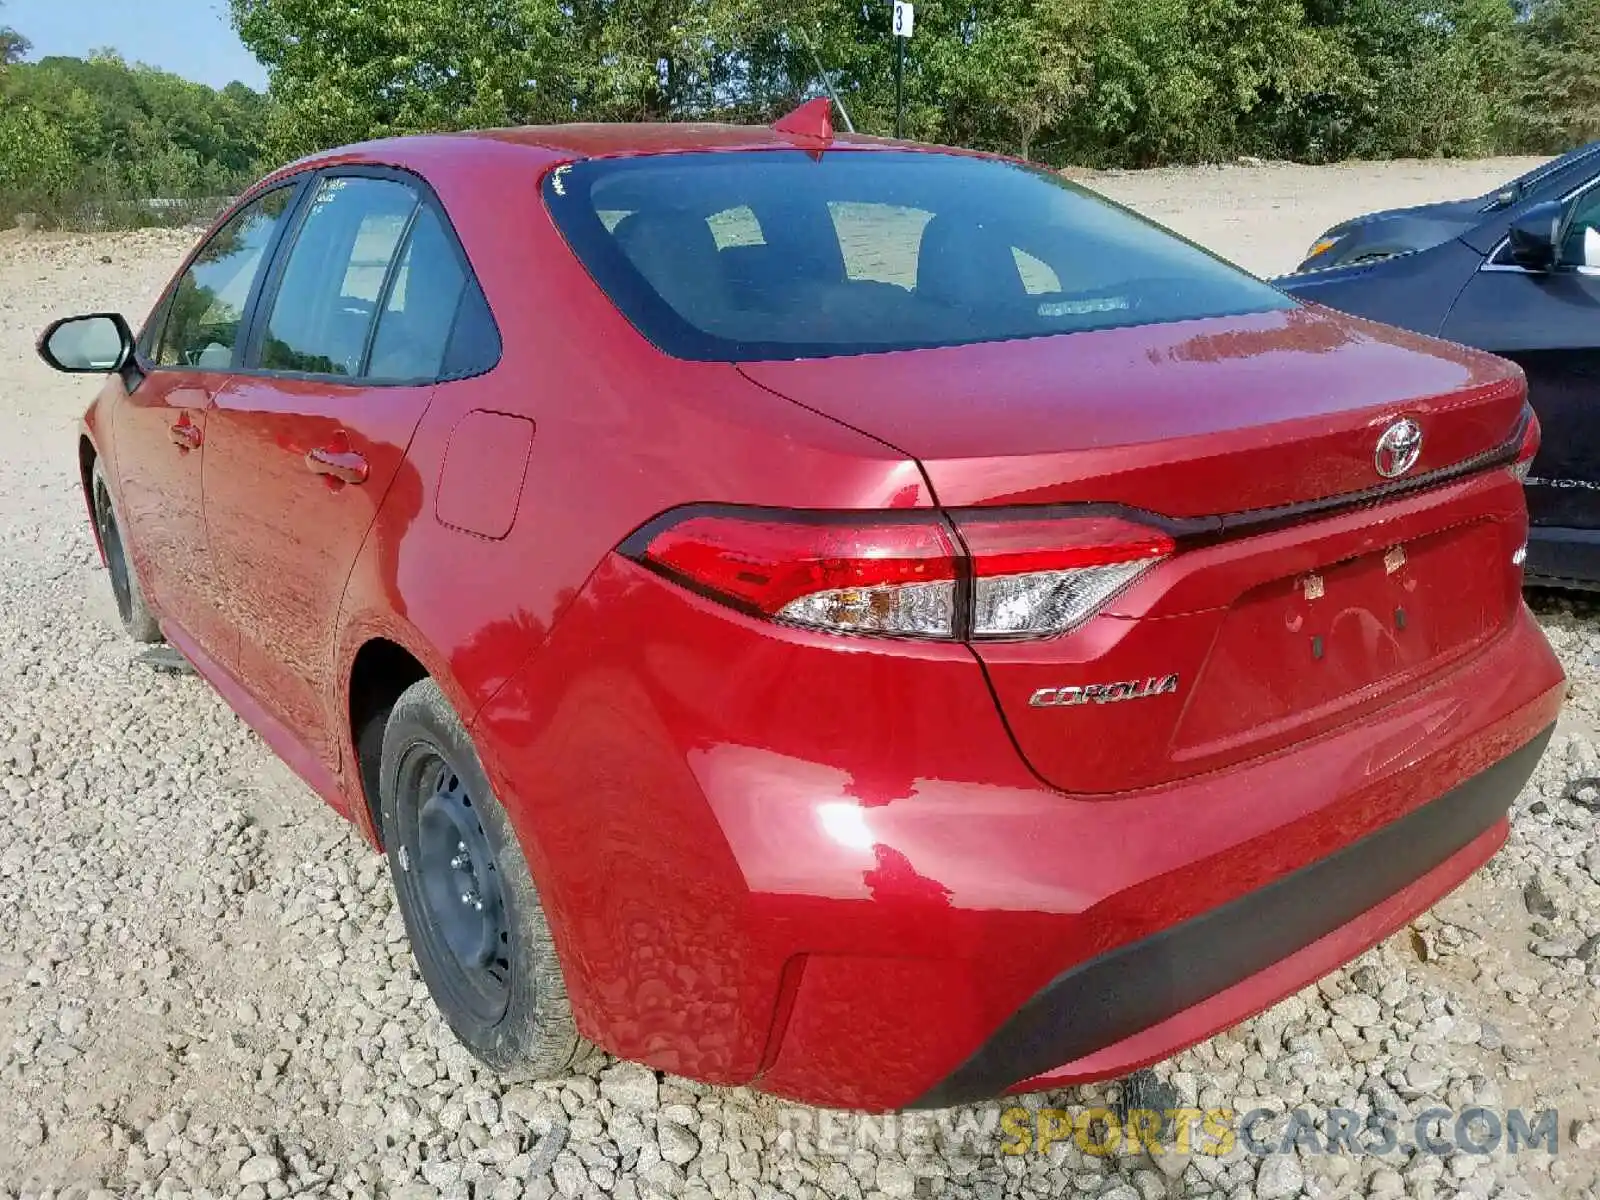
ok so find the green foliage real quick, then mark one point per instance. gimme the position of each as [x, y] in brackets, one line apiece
[1097, 82]
[35, 158]
[1561, 76]
[82, 140]
[347, 70]
[1110, 82]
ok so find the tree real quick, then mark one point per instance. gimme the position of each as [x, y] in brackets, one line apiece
[36, 162]
[342, 71]
[1015, 71]
[87, 138]
[13, 46]
[1105, 82]
[1561, 83]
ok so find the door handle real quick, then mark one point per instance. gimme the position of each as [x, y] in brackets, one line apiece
[344, 465]
[184, 435]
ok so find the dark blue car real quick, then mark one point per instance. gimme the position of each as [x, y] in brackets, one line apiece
[1516, 272]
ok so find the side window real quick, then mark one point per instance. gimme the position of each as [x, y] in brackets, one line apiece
[423, 305]
[202, 320]
[332, 282]
[1581, 247]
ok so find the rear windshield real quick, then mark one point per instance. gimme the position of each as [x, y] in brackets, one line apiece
[778, 254]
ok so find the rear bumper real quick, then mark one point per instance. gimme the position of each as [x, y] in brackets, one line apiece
[828, 874]
[1328, 912]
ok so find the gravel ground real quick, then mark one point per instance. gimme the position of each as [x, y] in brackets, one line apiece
[205, 988]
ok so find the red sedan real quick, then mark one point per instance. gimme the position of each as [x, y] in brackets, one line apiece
[876, 623]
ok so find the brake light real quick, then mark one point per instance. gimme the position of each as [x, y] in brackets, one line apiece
[994, 575]
[874, 577]
[1528, 448]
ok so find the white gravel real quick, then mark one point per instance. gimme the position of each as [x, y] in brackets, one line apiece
[205, 989]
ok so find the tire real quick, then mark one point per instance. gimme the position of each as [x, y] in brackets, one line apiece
[137, 620]
[477, 928]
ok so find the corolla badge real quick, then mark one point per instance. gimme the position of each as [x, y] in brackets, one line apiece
[1399, 447]
[1104, 693]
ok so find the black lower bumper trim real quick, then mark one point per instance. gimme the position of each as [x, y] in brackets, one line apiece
[1563, 557]
[1099, 1002]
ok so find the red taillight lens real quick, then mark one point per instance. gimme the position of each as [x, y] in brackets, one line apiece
[1015, 576]
[894, 577]
[1528, 449]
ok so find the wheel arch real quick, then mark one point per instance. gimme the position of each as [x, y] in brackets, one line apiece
[88, 456]
[380, 671]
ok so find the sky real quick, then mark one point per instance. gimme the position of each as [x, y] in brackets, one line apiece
[191, 38]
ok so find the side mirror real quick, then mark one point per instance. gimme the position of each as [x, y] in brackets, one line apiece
[97, 344]
[1535, 236]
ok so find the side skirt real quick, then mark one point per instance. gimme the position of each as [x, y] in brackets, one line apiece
[278, 736]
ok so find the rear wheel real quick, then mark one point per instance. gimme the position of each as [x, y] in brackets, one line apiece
[476, 925]
[137, 619]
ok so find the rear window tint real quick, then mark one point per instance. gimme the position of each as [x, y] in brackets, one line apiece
[777, 254]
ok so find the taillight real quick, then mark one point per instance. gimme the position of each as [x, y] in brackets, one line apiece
[993, 576]
[1040, 576]
[895, 577]
[1527, 449]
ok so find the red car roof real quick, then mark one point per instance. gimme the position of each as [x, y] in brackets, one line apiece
[595, 140]
[557, 142]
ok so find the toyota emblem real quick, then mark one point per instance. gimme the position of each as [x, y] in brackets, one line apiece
[1398, 448]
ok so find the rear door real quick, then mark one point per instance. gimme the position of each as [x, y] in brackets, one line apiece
[302, 447]
[159, 435]
[1550, 325]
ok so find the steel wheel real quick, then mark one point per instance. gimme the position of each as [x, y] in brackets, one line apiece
[460, 884]
[477, 927]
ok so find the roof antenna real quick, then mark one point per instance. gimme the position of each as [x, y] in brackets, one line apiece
[812, 121]
[827, 81]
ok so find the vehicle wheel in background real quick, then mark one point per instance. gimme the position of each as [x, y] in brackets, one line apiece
[137, 619]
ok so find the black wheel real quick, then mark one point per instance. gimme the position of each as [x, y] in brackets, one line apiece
[477, 928]
[137, 619]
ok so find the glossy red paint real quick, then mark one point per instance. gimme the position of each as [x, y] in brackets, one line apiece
[162, 426]
[480, 481]
[269, 501]
[1189, 419]
[1233, 621]
[867, 814]
[809, 125]
[819, 864]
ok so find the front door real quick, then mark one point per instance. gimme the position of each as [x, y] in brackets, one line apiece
[1549, 323]
[304, 445]
[159, 431]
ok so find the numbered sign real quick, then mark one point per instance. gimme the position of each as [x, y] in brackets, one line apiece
[905, 16]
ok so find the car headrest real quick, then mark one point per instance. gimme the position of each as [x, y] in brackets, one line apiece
[677, 254]
[966, 264]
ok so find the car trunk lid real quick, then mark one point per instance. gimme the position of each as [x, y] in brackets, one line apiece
[1305, 588]
[1188, 419]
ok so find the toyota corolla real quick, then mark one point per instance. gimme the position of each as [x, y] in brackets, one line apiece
[876, 623]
